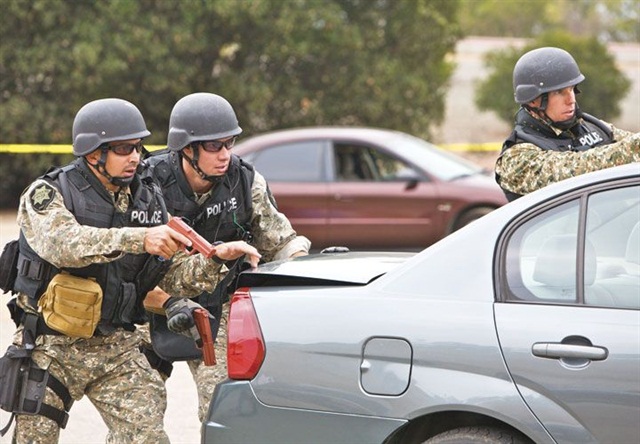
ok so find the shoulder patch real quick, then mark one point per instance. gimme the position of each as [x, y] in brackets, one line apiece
[42, 196]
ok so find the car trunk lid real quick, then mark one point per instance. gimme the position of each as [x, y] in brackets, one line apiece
[339, 268]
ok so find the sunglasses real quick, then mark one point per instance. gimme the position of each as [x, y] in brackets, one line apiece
[213, 146]
[124, 149]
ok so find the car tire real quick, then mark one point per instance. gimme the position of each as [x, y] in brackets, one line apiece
[478, 435]
[471, 215]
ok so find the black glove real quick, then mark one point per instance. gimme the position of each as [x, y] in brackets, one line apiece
[180, 314]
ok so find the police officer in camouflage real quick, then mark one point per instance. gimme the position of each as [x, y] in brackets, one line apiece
[97, 221]
[553, 139]
[224, 199]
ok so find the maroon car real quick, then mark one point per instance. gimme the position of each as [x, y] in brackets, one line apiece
[369, 188]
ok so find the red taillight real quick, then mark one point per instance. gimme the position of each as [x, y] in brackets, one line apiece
[245, 346]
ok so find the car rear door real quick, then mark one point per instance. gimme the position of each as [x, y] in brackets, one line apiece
[569, 320]
[576, 367]
[297, 176]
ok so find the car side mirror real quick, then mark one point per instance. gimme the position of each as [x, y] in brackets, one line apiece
[411, 184]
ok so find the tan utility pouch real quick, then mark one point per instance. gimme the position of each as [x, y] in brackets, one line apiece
[72, 305]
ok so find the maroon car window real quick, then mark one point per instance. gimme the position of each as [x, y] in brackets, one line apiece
[295, 162]
[362, 163]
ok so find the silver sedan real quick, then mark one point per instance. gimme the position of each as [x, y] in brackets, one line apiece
[523, 326]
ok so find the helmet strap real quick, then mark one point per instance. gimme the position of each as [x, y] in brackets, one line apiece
[541, 112]
[544, 101]
[194, 164]
[100, 166]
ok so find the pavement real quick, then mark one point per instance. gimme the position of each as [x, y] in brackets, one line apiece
[85, 425]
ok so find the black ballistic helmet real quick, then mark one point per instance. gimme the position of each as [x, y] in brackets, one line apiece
[106, 120]
[201, 116]
[543, 70]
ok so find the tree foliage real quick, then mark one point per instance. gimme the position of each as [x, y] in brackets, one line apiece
[603, 88]
[281, 63]
[608, 20]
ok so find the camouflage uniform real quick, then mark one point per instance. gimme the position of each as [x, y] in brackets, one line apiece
[110, 370]
[275, 239]
[525, 167]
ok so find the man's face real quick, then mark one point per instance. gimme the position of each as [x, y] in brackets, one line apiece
[561, 104]
[123, 157]
[214, 156]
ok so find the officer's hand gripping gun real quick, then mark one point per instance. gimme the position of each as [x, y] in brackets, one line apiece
[198, 243]
[201, 332]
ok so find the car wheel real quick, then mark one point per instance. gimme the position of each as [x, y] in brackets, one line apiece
[478, 435]
[471, 215]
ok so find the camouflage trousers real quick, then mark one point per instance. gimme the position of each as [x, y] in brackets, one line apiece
[110, 370]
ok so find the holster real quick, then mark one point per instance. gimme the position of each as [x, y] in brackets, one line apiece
[23, 384]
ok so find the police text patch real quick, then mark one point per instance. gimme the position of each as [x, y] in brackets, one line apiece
[41, 196]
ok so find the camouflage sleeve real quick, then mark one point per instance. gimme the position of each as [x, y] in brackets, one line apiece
[273, 235]
[191, 275]
[524, 167]
[620, 135]
[57, 237]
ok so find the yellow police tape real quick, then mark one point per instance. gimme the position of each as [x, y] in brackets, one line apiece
[66, 149]
[50, 149]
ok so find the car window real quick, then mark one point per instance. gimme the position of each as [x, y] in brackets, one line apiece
[355, 162]
[546, 261]
[294, 162]
[442, 164]
[613, 229]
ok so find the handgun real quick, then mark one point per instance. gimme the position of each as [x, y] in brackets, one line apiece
[198, 243]
[201, 333]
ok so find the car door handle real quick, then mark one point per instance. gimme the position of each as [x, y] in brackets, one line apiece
[343, 198]
[554, 350]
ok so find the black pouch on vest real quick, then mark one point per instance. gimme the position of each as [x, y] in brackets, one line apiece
[127, 304]
[9, 265]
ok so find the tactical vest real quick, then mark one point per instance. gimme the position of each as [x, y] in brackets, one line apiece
[92, 205]
[224, 216]
[588, 132]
